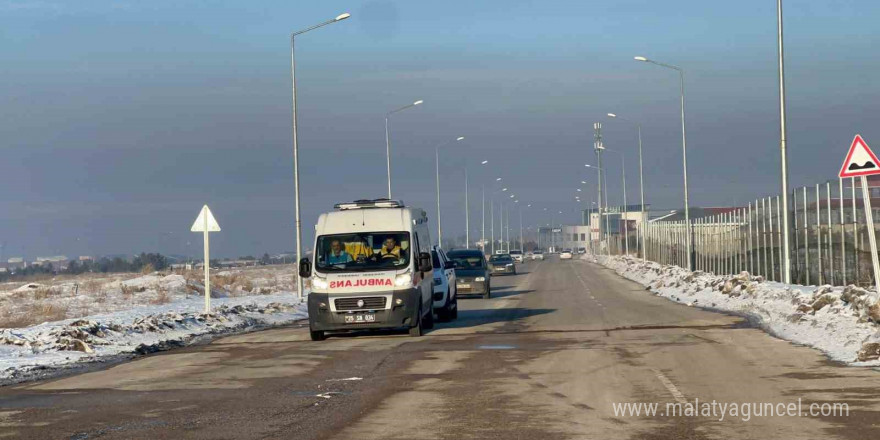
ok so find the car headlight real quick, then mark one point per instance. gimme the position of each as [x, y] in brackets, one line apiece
[319, 283]
[509, 265]
[478, 279]
[438, 281]
[404, 279]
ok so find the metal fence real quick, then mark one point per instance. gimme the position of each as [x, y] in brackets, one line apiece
[829, 243]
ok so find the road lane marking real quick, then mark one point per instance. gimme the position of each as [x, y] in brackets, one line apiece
[676, 394]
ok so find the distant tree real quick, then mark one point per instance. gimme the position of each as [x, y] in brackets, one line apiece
[156, 261]
[74, 267]
[266, 259]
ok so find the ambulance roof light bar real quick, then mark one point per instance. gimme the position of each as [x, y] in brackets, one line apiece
[369, 204]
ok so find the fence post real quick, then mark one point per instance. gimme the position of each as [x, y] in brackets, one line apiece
[830, 233]
[806, 241]
[772, 248]
[717, 222]
[751, 257]
[763, 214]
[781, 231]
[819, 236]
[796, 233]
[700, 244]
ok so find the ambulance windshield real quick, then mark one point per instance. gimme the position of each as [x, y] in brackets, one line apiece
[364, 251]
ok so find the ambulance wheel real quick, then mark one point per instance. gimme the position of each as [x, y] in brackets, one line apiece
[416, 330]
[317, 335]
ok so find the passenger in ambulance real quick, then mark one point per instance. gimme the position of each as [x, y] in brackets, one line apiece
[337, 254]
[389, 250]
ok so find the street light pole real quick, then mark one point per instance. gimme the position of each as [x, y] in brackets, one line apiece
[786, 267]
[483, 227]
[644, 220]
[625, 209]
[467, 213]
[298, 219]
[687, 216]
[388, 140]
[437, 158]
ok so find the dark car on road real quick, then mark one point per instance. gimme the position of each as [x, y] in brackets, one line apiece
[471, 272]
[502, 264]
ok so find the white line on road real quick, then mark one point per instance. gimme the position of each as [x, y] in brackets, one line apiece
[676, 394]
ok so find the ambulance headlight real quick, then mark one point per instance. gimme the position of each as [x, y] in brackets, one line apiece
[319, 283]
[479, 279]
[404, 279]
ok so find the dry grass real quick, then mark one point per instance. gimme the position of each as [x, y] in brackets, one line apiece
[127, 291]
[34, 313]
[45, 293]
[91, 285]
[162, 295]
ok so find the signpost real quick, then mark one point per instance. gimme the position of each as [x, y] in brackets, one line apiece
[862, 162]
[206, 223]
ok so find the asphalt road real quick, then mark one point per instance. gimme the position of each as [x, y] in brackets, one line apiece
[547, 357]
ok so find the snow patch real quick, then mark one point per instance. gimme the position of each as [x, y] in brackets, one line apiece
[842, 322]
[29, 352]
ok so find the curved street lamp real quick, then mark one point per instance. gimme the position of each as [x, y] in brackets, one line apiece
[388, 139]
[340, 17]
[687, 216]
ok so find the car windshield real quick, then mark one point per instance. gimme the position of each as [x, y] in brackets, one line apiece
[365, 251]
[500, 259]
[466, 260]
[435, 259]
[515, 252]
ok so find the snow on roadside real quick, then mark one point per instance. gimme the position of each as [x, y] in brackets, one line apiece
[30, 352]
[840, 321]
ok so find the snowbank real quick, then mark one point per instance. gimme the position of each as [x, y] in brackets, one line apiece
[34, 351]
[840, 321]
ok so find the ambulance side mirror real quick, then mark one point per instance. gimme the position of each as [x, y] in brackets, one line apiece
[305, 268]
[425, 263]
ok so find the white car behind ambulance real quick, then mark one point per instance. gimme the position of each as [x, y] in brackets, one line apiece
[372, 269]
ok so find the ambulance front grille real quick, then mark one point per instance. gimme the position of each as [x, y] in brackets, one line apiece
[370, 303]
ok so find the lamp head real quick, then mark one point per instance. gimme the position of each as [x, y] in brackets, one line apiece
[343, 16]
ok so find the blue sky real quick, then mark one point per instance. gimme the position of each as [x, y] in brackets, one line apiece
[120, 119]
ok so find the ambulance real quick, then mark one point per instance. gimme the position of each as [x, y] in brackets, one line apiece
[372, 269]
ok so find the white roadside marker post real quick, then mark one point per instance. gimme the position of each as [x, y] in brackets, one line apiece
[862, 162]
[205, 223]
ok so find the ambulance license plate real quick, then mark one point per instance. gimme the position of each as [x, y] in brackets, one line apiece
[360, 318]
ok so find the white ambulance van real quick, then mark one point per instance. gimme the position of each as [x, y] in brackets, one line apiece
[372, 269]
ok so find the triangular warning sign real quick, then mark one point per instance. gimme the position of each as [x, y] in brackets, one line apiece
[860, 161]
[205, 220]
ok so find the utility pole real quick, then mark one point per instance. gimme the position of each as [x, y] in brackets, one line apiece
[597, 146]
[786, 266]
